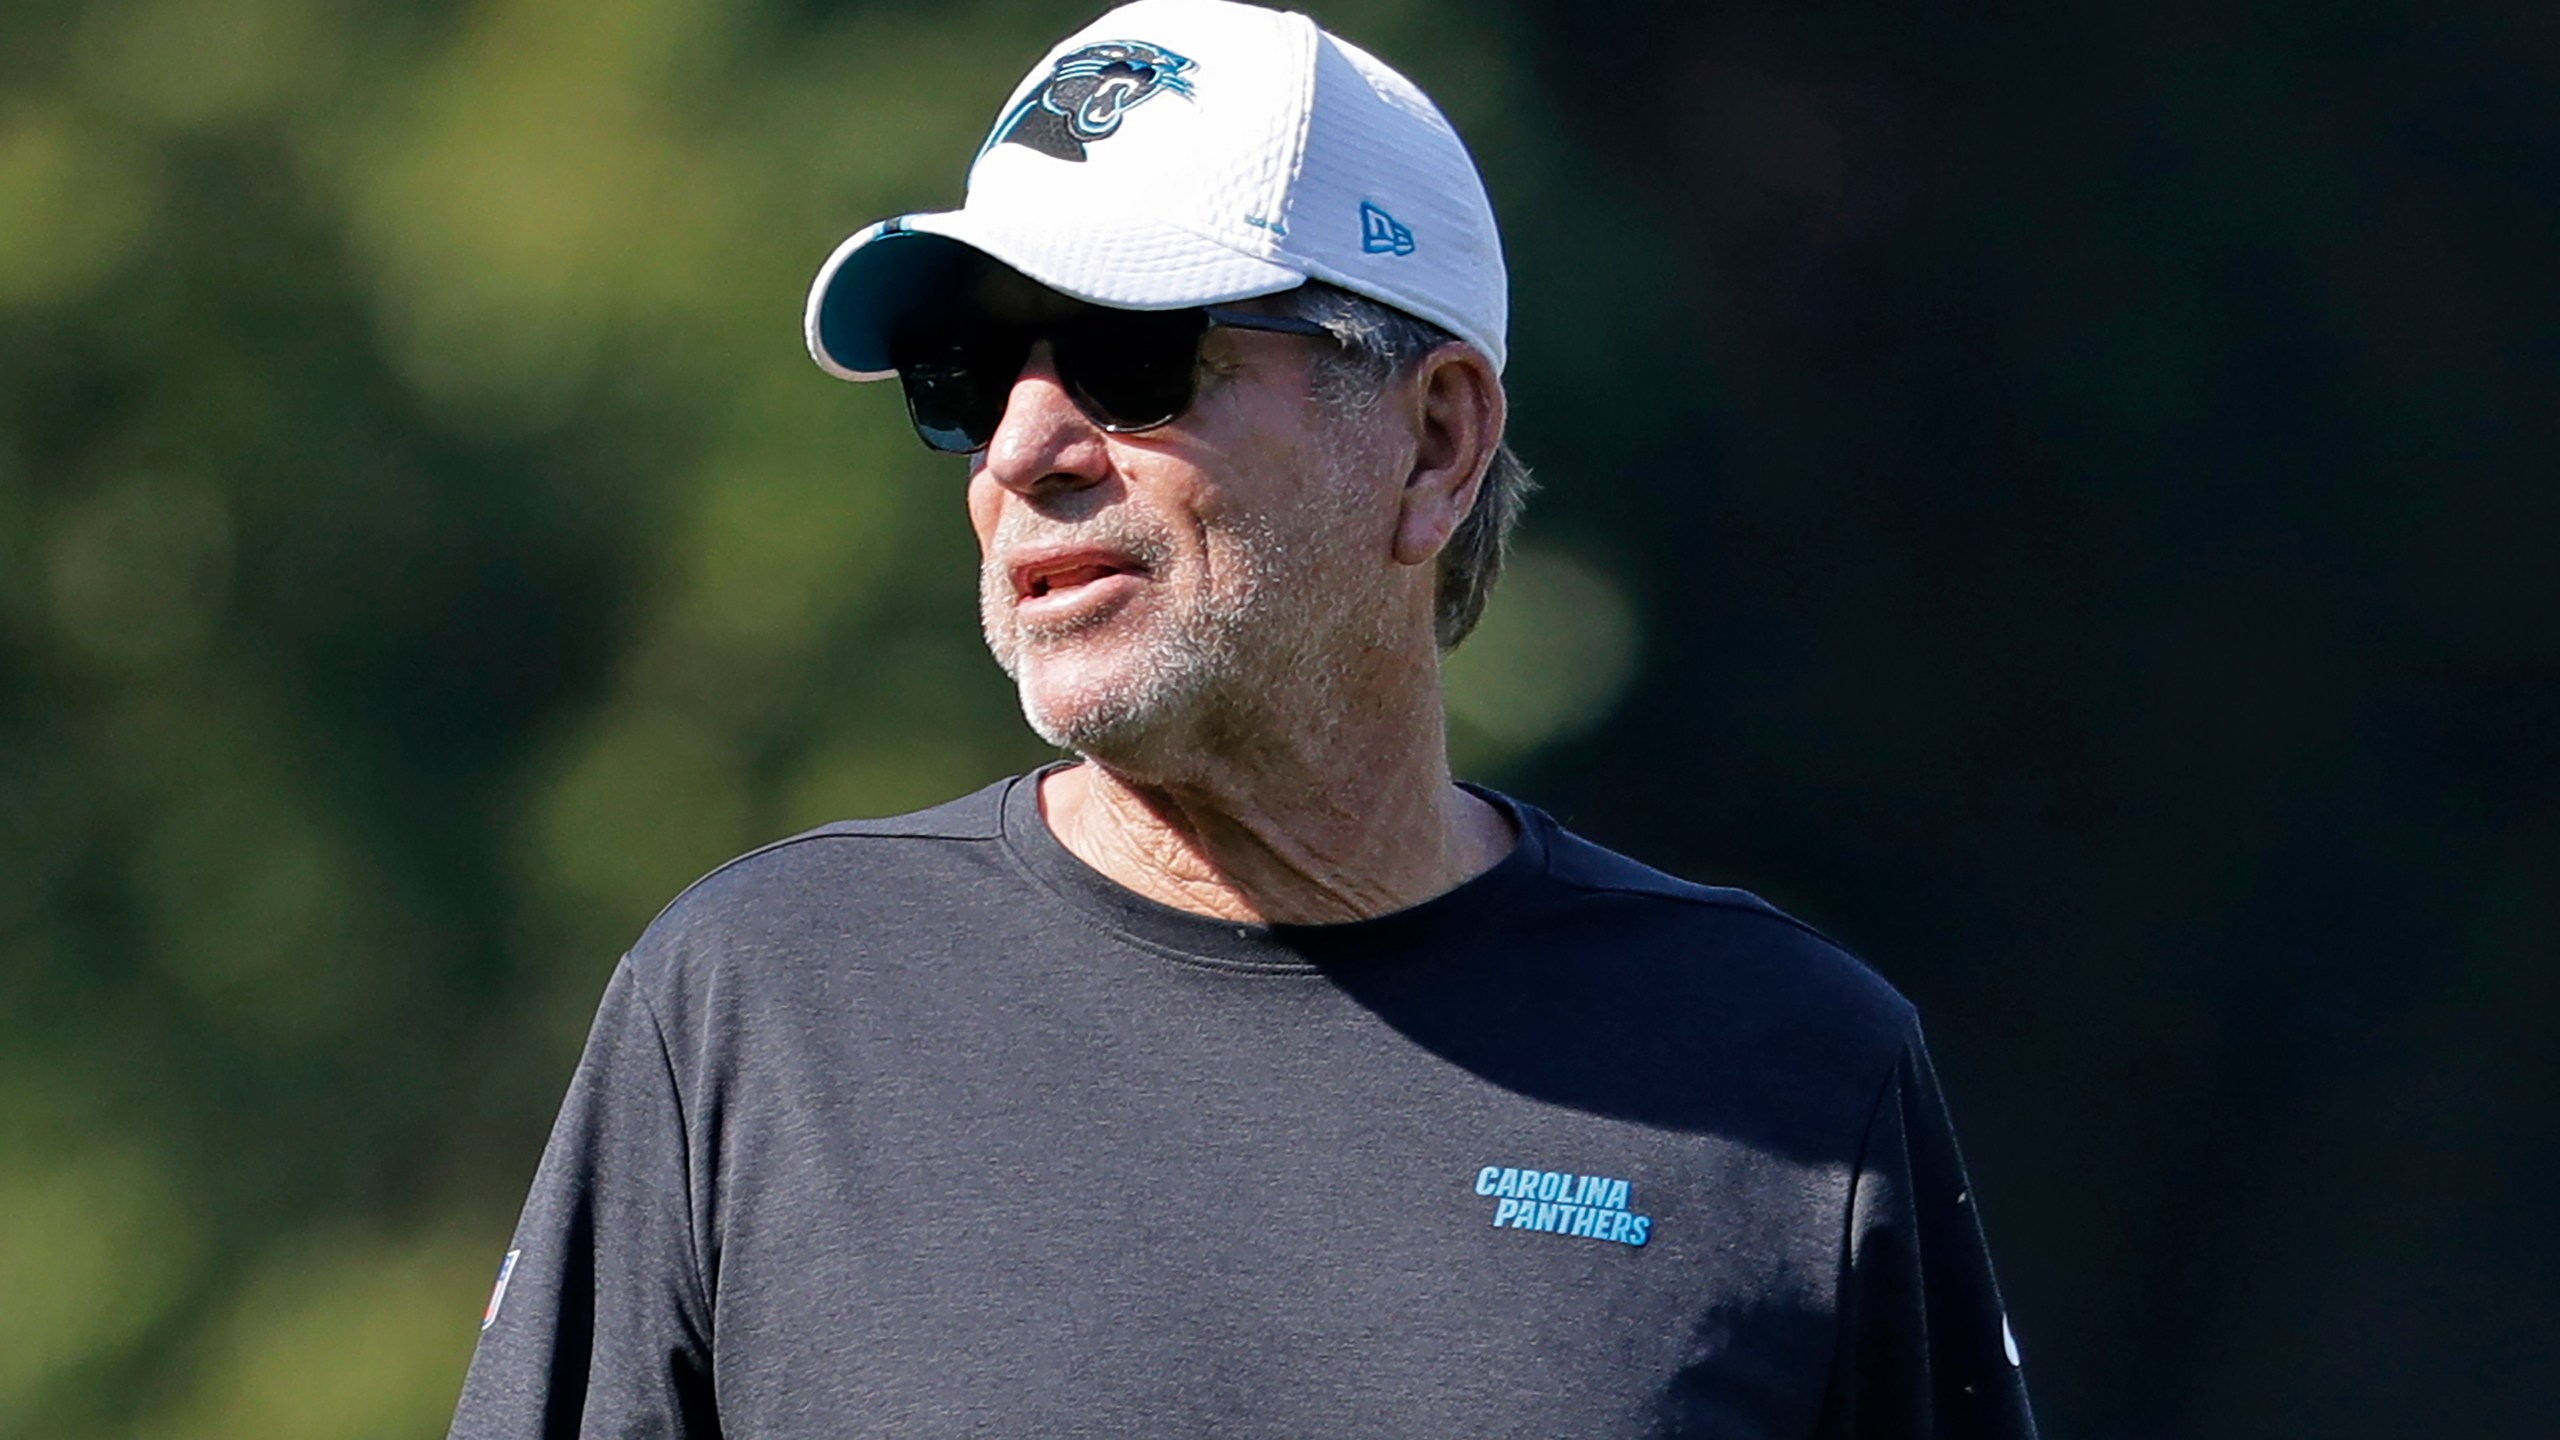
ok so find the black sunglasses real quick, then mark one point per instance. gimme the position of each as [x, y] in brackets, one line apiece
[1127, 370]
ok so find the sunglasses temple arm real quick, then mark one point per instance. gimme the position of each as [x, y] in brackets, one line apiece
[1251, 320]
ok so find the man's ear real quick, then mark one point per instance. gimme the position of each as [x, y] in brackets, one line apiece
[1456, 407]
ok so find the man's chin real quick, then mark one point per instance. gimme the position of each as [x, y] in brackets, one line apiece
[1110, 717]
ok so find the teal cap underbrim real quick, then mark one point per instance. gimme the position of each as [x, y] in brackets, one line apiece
[878, 284]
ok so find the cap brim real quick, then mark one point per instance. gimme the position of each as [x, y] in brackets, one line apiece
[891, 274]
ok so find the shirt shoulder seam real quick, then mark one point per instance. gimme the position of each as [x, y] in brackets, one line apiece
[1680, 892]
[684, 1144]
[1844, 1264]
[808, 837]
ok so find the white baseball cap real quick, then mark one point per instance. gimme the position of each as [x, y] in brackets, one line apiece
[1193, 152]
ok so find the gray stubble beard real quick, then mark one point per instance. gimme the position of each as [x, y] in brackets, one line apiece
[1242, 670]
[1171, 691]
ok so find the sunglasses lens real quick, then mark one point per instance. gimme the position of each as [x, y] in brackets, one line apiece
[957, 387]
[1131, 369]
[1127, 370]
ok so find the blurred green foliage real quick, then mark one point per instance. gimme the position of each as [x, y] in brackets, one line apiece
[423, 548]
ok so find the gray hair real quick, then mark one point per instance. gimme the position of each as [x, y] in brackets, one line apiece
[1377, 343]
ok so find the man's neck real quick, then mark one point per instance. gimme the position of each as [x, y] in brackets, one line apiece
[1287, 845]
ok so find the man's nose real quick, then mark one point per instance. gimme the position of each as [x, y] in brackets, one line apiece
[1044, 442]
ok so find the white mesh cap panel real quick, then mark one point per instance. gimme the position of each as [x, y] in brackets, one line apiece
[1388, 202]
[1132, 262]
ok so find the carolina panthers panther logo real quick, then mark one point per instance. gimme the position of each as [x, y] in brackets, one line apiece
[1085, 97]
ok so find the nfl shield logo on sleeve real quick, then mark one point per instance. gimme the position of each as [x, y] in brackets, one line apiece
[498, 1292]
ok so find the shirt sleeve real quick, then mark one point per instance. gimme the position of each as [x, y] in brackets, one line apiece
[1925, 1349]
[600, 1325]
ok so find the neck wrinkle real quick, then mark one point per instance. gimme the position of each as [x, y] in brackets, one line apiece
[1298, 848]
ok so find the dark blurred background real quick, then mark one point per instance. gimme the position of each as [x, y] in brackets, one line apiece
[2058, 496]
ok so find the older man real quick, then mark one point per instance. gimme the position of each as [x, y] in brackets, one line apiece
[1246, 1076]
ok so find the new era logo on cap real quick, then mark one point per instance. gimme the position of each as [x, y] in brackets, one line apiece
[1380, 234]
[1195, 152]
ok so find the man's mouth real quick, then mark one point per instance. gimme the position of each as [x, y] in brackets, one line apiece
[1041, 577]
